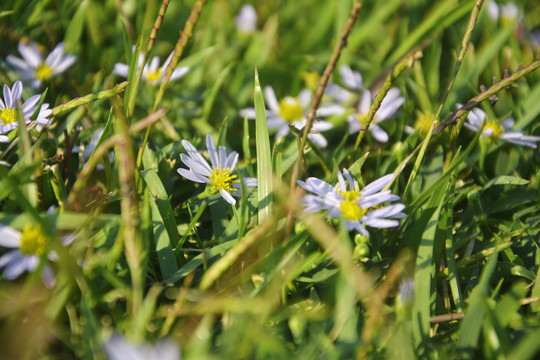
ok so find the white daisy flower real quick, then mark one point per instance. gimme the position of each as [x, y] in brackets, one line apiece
[506, 13]
[34, 68]
[220, 176]
[357, 207]
[152, 74]
[119, 348]
[343, 99]
[477, 120]
[246, 21]
[9, 108]
[290, 111]
[28, 248]
[389, 106]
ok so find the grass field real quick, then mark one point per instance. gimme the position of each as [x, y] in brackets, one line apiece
[211, 179]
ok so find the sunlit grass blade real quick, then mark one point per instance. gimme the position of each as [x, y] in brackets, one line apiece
[423, 278]
[162, 213]
[264, 159]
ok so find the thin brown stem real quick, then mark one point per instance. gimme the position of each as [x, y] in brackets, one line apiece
[353, 15]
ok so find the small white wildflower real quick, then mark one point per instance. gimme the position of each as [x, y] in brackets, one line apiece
[344, 99]
[152, 74]
[28, 247]
[33, 67]
[290, 111]
[9, 109]
[117, 347]
[506, 13]
[246, 21]
[477, 120]
[357, 207]
[220, 176]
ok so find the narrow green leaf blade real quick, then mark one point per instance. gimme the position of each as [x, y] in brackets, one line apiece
[264, 159]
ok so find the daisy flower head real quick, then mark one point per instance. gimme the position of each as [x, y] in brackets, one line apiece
[289, 111]
[389, 107]
[246, 20]
[33, 67]
[220, 175]
[477, 120]
[152, 73]
[357, 207]
[353, 82]
[28, 247]
[9, 110]
[506, 13]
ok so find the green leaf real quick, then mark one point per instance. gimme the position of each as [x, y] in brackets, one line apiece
[264, 159]
[423, 291]
[72, 39]
[506, 180]
[163, 218]
[469, 330]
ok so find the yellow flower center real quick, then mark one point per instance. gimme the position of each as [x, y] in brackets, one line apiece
[351, 210]
[350, 195]
[33, 241]
[153, 75]
[43, 72]
[290, 109]
[222, 179]
[8, 115]
[423, 122]
[498, 129]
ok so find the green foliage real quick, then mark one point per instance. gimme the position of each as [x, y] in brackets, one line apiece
[138, 249]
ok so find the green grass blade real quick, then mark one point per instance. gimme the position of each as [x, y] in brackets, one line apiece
[469, 331]
[264, 159]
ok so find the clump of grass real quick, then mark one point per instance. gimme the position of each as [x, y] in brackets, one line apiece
[269, 244]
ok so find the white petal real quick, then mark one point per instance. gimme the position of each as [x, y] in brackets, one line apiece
[18, 63]
[378, 133]
[319, 125]
[190, 175]
[508, 123]
[305, 98]
[48, 277]
[66, 62]
[194, 154]
[316, 186]
[179, 72]
[9, 237]
[15, 268]
[222, 156]
[365, 102]
[493, 10]
[271, 100]
[212, 152]
[249, 112]
[381, 223]
[195, 166]
[318, 139]
[330, 109]
[386, 211]
[121, 70]
[351, 79]
[377, 185]
[227, 196]
[31, 54]
[232, 160]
